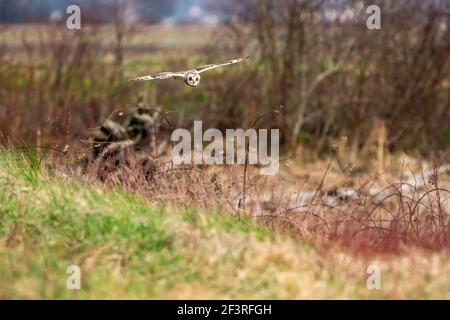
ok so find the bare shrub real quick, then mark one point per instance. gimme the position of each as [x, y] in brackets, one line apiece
[335, 77]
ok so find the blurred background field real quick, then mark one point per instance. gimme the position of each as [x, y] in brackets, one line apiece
[333, 78]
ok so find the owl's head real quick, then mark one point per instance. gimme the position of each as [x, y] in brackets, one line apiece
[192, 79]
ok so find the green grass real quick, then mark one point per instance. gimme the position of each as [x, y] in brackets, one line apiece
[129, 248]
[47, 225]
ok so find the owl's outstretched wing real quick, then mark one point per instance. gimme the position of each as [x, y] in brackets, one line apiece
[212, 66]
[159, 76]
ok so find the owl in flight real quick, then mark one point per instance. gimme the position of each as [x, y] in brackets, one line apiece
[191, 77]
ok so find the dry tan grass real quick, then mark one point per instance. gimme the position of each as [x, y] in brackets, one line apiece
[405, 204]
